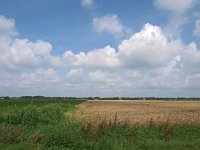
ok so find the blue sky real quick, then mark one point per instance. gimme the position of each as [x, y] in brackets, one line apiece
[67, 24]
[100, 48]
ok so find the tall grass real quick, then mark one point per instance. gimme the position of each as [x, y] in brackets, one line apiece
[10, 133]
[31, 116]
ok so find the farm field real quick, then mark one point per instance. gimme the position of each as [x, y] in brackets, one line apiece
[96, 125]
[141, 111]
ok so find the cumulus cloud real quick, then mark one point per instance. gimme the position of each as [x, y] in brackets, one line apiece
[151, 48]
[161, 77]
[176, 72]
[40, 78]
[167, 63]
[98, 58]
[75, 76]
[108, 81]
[147, 48]
[196, 31]
[74, 73]
[149, 60]
[21, 53]
[87, 3]
[40, 82]
[103, 76]
[18, 53]
[108, 23]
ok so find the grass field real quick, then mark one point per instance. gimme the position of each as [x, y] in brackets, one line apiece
[96, 125]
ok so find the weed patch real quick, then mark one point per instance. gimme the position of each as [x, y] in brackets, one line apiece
[10, 133]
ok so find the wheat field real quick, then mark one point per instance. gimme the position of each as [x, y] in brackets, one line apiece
[141, 111]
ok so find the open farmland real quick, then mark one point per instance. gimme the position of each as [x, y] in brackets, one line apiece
[141, 111]
[95, 125]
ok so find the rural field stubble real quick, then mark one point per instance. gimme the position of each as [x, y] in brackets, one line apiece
[140, 112]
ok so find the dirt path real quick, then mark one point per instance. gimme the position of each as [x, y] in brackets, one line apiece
[141, 111]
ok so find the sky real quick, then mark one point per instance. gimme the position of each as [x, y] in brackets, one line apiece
[106, 48]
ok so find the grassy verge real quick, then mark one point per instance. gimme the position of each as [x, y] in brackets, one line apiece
[27, 125]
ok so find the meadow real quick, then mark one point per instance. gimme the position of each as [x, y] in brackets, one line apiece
[95, 125]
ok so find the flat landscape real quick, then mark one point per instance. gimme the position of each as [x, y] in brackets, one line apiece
[100, 75]
[141, 111]
[63, 124]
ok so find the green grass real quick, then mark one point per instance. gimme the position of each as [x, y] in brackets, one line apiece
[42, 124]
[10, 104]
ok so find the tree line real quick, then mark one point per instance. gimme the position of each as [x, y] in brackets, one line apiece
[101, 98]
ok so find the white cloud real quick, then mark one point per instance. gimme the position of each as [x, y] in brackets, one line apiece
[176, 72]
[41, 48]
[103, 76]
[196, 31]
[193, 80]
[101, 58]
[178, 6]
[74, 73]
[108, 23]
[40, 78]
[108, 81]
[166, 77]
[191, 58]
[87, 3]
[76, 76]
[166, 70]
[149, 62]
[45, 82]
[147, 48]
[167, 63]
[21, 53]
[175, 25]
[178, 14]
[7, 27]
[6, 80]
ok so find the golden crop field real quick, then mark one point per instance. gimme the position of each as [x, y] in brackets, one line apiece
[141, 111]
